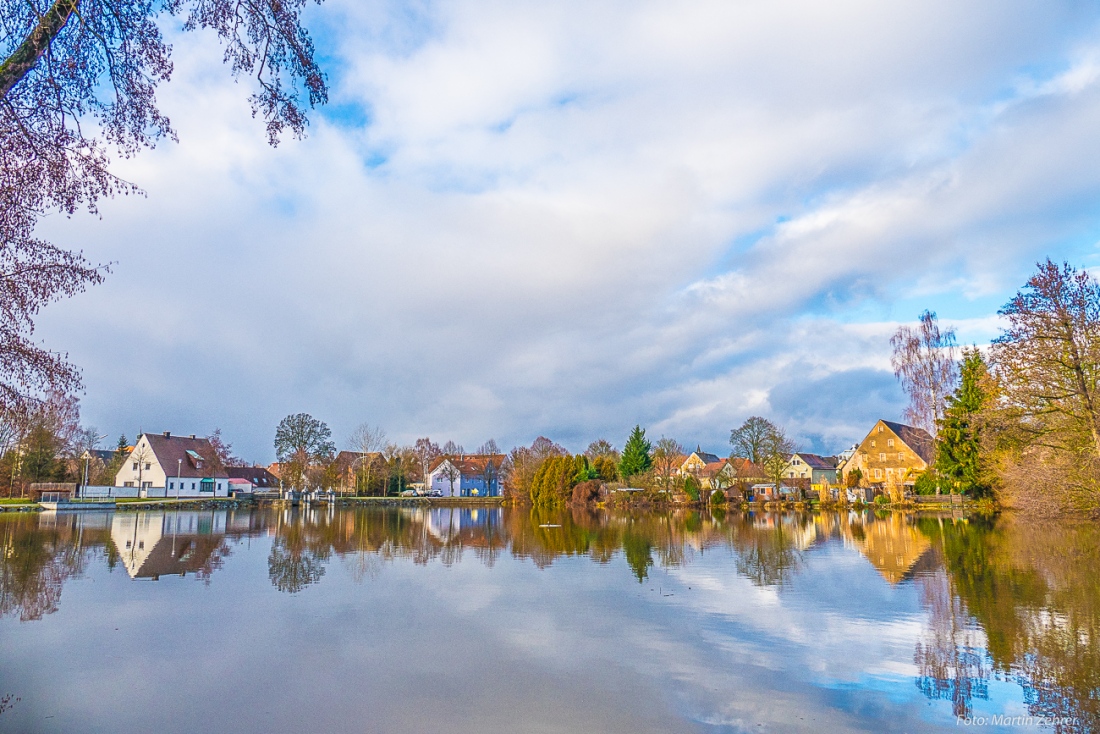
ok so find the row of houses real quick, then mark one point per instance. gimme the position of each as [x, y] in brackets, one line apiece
[890, 454]
[166, 465]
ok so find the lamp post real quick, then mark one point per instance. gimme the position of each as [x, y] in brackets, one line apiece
[179, 469]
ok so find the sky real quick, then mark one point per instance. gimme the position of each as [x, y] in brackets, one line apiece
[522, 218]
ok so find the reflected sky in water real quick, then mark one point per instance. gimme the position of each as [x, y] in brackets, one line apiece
[414, 620]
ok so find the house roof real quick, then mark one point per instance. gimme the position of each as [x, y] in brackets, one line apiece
[713, 467]
[706, 457]
[470, 465]
[917, 439]
[816, 461]
[257, 475]
[745, 468]
[104, 455]
[183, 456]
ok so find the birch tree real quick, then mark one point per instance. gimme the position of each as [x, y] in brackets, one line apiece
[924, 361]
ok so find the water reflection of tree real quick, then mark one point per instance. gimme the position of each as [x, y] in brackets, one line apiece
[1032, 588]
[768, 549]
[35, 561]
[299, 551]
[950, 656]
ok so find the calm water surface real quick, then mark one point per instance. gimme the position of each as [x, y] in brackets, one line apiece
[459, 620]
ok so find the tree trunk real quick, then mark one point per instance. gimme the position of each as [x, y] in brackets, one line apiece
[16, 66]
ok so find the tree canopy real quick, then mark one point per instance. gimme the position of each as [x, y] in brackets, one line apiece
[78, 80]
[924, 362]
[300, 442]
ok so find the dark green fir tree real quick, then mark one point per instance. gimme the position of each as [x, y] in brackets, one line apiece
[958, 456]
[636, 457]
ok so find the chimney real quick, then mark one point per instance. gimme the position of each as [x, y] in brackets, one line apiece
[192, 435]
[168, 434]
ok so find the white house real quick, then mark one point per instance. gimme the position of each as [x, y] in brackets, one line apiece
[163, 465]
[474, 475]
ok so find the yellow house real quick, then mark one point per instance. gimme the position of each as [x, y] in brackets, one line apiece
[698, 460]
[892, 453]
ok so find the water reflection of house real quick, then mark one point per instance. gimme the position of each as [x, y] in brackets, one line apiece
[151, 545]
[448, 523]
[894, 547]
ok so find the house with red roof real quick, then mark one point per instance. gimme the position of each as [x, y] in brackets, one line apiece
[163, 465]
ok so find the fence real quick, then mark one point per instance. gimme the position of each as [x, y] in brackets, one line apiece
[105, 492]
[939, 499]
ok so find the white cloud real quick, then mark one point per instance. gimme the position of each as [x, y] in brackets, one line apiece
[567, 219]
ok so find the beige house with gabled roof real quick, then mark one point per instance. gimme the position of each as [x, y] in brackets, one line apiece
[891, 453]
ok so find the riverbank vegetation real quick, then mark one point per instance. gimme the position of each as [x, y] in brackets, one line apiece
[1022, 424]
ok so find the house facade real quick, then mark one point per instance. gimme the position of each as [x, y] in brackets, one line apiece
[814, 468]
[697, 461]
[711, 471]
[471, 475]
[173, 466]
[892, 453]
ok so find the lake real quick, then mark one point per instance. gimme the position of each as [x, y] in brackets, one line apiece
[513, 620]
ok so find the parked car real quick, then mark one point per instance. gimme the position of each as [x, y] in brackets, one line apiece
[436, 493]
[410, 493]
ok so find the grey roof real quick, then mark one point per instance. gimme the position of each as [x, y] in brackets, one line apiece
[104, 455]
[258, 475]
[707, 458]
[917, 439]
[815, 461]
[177, 456]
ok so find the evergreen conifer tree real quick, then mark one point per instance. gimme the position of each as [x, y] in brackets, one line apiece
[636, 455]
[958, 457]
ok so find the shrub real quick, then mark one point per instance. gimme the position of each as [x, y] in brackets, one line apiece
[691, 488]
[926, 483]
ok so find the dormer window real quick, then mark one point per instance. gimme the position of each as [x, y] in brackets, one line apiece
[195, 458]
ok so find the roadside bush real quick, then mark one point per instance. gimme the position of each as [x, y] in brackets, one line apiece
[882, 500]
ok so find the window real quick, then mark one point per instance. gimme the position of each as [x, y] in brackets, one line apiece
[148, 466]
[135, 466]
[890, 442]
[872, 443]
[881, 429]
[171, 485]
[882, 457]
[878, 473]
[127, 484]
[901, 456]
